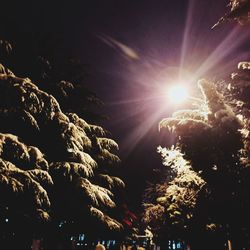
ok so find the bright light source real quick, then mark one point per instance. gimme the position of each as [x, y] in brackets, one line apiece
[178, 93]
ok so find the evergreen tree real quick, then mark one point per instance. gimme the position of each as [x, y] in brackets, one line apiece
[239, 11]
[69, 182]
[206, 201]
[54, 71]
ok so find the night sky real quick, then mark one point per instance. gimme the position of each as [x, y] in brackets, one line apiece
[173, 41]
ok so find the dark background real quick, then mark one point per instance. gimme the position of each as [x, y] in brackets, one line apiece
[167, 35]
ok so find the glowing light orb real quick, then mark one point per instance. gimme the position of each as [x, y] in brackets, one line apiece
[177, 93]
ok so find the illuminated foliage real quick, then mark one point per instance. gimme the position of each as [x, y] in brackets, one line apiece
[239, 11]
[208, 190]
[174, 202]
[65, 181]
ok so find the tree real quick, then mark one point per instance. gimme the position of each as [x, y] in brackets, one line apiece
[239, 11]
[66, 79]
[41, 58]
[207, 199]
[70, 181]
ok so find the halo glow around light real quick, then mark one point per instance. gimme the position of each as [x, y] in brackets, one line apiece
[177, 93]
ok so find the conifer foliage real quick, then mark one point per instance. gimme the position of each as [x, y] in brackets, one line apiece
[54, 166]
[239, 11]
[208, 193]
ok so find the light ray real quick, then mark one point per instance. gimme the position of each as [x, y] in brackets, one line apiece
[125, 50]
[185, 41]
[234, 39]
[135, 137]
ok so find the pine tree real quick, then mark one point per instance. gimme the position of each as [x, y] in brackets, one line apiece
[68, 182]
[207, 199]
[239, 11]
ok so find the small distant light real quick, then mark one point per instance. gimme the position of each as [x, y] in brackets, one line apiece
[81, 237]
[174, 246]
[6, 220]
[215, 168]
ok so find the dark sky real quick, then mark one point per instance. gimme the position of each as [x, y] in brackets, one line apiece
[166, 35]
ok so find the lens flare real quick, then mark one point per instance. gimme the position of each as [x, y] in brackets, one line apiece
[178, 93]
